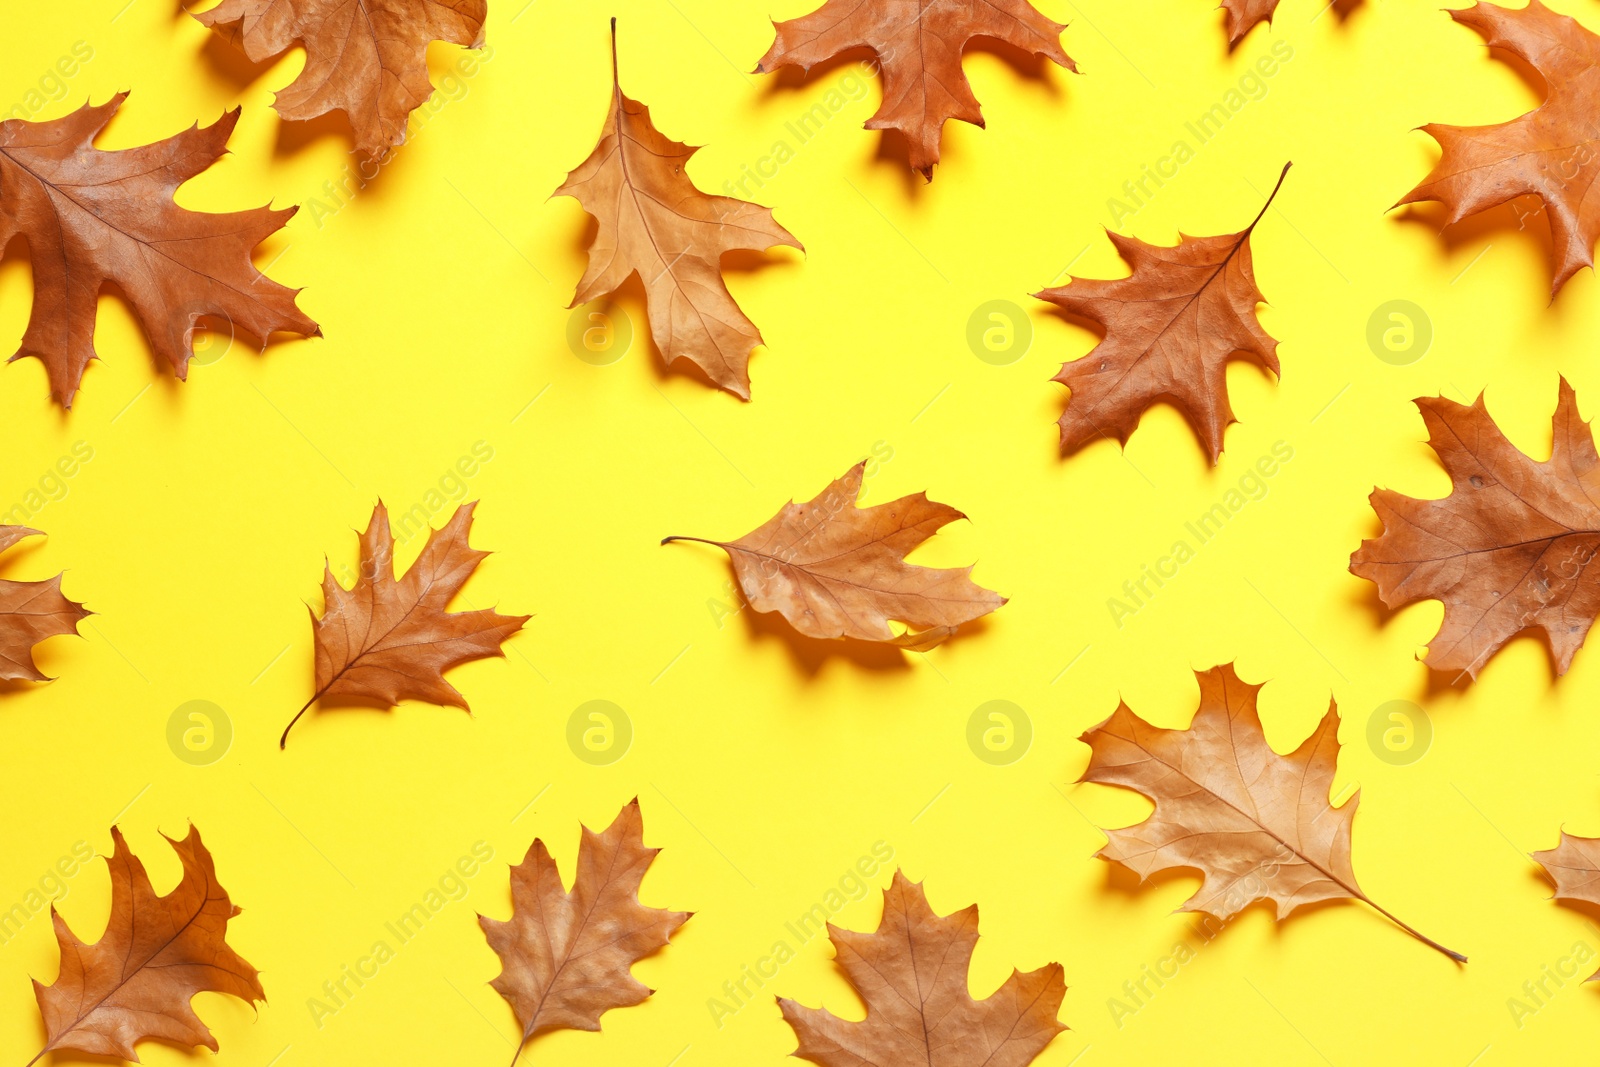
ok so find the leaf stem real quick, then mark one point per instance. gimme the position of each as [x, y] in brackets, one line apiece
[701, 540]
[37, 1058]
[1270, 197]
[615, 81]
[1408, 928]
[283, 742]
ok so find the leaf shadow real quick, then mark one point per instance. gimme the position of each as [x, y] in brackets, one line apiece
[811, 654]
[227, 59]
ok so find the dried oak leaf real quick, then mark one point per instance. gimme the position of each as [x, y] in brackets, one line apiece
[1246, 15]
[912, 974]
[566, 957]
[918, 48]
[1512, 547]
[92, 217]
[1574, 866]
[834, 570]
[1170, 329]
[29, 613]
[1256, 825]
[386, 640]
[369, 60]
[136, 982]
[1548, 153]
[653, 222]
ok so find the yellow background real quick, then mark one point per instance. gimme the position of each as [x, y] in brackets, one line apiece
[766, 766]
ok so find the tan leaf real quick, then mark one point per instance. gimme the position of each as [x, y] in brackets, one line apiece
[92, 217]
[1257, 826]
[29, 613]
[917, 45]
[1170, 329]
[653, 222]
[835, 570]
[912, 974]
[136, 982]
[1548, 153]
[386, 640]
[366, 59]
[1574, 866]
[1512, 547]
[566, 957]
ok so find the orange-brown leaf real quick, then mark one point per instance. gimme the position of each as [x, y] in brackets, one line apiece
[567, 957]
[1574, 866]
[1246, 15]
[835, 570]
[1257, 826]
[92, 217]
[368, 60]
[1170, 329]
[136, 982]
[653, 222]
[1548, 152]
[390, 640]
[918, 46]
[912, 974]
[1513, 546]
[29, 613]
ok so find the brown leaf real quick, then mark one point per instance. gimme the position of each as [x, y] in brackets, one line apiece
[369, 60]
[136, 982]
[653, 222]
[388, 640]
[835, 570]
[1170, 330]
[912, 974]
[1245, 15]
[1548, 153]
[918, 48]
[29, 613]
[93, 217]
[1256, 825]
[1574, 866]
[566, 958]
[1512, 547]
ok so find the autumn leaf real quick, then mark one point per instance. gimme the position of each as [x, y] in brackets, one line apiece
[386, 640]
[1513, 546]
[29, 613]
[1245, 15]
[835, 570]
[1170, 330]
[136, 982]
[1257, 826]
[912, 974]
[368, 60]
[918, 49]
[1548, 153]
[92, 217]
[1574, 866]
[653, 222]
[566, 957]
